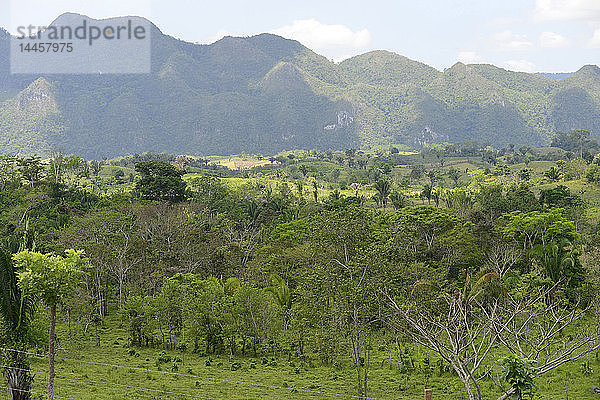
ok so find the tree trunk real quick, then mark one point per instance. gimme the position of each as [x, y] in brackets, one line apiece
[51, 351]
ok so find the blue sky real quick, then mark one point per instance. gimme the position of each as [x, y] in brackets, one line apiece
[524, 35]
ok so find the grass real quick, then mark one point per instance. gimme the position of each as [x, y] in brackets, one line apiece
[141, 366]
[239, 163]
[79, 375]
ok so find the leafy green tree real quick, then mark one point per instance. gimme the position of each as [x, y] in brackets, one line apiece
[560, 196]
[50, 278]
[398, 200]
[31, 169]
[427, 192]
[304, 170]
[417, 172]
[160, 181]
[524, 174]
[256, 314]
[592, 174]
[575, 141]
[8, 171]
[315, 186]
[538, 227]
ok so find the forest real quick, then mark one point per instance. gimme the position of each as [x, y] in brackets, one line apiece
[462, 268]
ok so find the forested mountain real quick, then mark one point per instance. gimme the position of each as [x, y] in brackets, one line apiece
[264, 93]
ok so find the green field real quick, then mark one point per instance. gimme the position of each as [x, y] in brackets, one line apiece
[87, 371]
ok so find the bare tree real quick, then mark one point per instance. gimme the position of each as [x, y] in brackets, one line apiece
[464, 327]
[502, 257]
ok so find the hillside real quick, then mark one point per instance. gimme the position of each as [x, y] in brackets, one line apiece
[264, 93]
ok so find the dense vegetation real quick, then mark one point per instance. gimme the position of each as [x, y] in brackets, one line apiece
[265, 94]
[464, 268]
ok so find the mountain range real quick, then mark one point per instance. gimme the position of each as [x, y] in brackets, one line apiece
[263, 94]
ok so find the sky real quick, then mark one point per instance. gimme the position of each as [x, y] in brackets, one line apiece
[519, 35]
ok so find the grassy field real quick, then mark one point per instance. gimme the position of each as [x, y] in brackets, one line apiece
[238, 163]
[113, 370]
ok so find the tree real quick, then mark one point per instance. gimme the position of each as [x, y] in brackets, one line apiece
[339, 290]
[445, 321]
[8, 171]
[525, 174]
[398, 200]
[31, 169]
[427, 192]
[463, 326]
[383, 188]
[454, 175]
[280, 291]
[304, 170]
[552, 173]
[50, 278]
[592, 174]
[16, 309]
[559, 262]
[160, 181]
[538, 227]
[575, 141]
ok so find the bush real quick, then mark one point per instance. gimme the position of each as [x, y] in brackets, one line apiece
[163, 358]
[592, 174]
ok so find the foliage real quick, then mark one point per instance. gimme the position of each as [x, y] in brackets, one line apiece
[519, 374]
[265, 94]
[160, 181]
[50, 277]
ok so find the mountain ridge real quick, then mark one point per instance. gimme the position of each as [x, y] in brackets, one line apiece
[265, 93]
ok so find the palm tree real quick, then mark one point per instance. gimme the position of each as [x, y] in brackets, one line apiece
[398, 200]
[383, 188]
[427, 192]
[16, 311]
[487, 284]
[556, 260]
[280, 291]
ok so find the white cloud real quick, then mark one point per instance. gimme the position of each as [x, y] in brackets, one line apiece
[594, 42]
[327, 38]
[567, 10]
[509, 41]
[469, 57]
[338, 42]
[553, 40]
[520, 65]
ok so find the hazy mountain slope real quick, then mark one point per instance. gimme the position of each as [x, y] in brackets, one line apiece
[555, 75]
[265, 93]
[384, 68]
